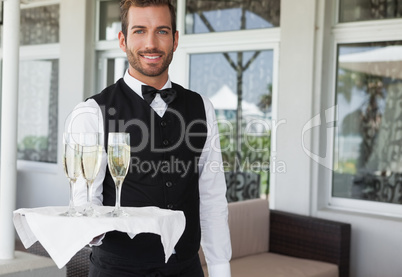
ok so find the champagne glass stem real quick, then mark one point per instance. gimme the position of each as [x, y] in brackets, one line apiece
[90, 209]
[71, 208]
[118, 194]
[89, 194]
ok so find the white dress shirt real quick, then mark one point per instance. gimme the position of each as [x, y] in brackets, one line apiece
[215, 239]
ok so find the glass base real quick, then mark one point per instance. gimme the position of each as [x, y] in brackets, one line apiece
[91, 212]
[117, 213]
[71, 213]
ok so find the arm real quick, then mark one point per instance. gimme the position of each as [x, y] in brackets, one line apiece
[87, 117]
[215, 239]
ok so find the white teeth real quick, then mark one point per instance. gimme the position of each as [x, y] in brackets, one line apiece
[151, 57]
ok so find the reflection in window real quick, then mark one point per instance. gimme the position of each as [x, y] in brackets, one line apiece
[358, 10]
[40, 25]
[239, 84]
[109, 20]
[37, 110]
[219, 16]
[369, 136]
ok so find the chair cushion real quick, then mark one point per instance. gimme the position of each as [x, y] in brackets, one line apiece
[275, 265]
[249, 227]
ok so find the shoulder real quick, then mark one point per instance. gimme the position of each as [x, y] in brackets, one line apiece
[186, 93]
[85, 117]
[109, 91]
[181, 89]
[192, 95]
[207, 103]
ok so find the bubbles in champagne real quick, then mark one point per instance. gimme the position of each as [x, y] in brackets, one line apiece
[118, 160]
[72, 161]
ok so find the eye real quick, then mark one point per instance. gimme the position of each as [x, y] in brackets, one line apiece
[163, 32]
[138, 31]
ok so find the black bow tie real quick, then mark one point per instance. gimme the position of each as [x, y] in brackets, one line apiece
[168, 94]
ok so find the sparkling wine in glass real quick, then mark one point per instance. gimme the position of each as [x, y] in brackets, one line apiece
[118, 161]
[91, 146]
[72, 167]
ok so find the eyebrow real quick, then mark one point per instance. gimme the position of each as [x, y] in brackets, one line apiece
[144, 27]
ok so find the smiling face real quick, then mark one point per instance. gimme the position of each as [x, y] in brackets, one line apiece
[149, 44]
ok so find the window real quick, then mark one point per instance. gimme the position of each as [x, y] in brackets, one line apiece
[368, 88]
[221, 16]
[369, 141]
[38, 84]
[237, 73]
[245, 126]
[40, 25]
[37, 110]
[109, 20]
[358, 10]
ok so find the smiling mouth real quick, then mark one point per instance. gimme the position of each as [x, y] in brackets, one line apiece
[151, 57]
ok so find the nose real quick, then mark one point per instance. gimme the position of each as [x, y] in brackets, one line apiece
[151, 41]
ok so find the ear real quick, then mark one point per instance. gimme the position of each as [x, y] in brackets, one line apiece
[122, 41]
[176, 41]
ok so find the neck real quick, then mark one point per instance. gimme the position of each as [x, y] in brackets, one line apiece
[157, 82]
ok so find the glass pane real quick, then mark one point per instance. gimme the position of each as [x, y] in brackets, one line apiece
[37, 110]
[368, 142]
[115, 69]
[219, 16]
[40, 25]
[109, 20]
[239, 84]
[358, 10]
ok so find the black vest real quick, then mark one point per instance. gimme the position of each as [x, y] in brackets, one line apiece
[164, 165]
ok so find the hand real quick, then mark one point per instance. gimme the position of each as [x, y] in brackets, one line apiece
[96, 241]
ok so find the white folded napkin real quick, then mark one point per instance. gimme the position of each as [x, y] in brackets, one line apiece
[63, 237]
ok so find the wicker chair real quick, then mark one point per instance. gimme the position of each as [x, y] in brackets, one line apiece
[310, 238]
[268, 242]
[78, 266]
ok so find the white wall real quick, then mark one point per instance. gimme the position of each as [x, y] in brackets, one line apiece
[42, 184]
[376, 243]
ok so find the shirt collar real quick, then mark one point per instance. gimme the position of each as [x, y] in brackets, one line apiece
[136, 85]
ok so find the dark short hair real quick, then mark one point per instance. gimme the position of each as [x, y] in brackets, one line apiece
[126, 4]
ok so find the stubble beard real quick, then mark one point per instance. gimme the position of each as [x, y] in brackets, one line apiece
[151, 70]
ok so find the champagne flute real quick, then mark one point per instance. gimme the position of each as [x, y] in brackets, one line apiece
[91, 145]
[118, 161]
[72, 167]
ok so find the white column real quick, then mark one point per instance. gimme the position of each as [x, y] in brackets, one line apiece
[293, 192]
[8, 180]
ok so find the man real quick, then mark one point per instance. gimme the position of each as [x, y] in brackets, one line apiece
[179, 135]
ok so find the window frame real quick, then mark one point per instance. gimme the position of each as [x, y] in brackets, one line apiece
[345, 33]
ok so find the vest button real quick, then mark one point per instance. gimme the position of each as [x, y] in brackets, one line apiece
[163, 123]
[165, 142]
[170, 206]
[169, 184]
